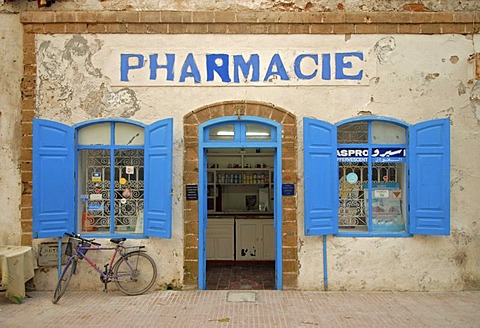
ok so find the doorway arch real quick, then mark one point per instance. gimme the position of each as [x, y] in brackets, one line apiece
[288, 254]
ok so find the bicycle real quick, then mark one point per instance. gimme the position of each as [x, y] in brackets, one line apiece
[134, 272]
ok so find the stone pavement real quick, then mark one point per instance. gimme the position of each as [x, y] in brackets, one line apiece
[244, 309]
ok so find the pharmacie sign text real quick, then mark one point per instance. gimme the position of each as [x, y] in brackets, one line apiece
[241, 68]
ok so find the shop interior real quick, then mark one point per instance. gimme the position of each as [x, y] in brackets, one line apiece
[240, 239]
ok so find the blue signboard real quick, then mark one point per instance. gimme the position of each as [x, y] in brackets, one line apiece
[95, 207]
[288, 189]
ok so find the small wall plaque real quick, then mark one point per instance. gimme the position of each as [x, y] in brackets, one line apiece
[192, 192]
[288, 189]
[48, 254]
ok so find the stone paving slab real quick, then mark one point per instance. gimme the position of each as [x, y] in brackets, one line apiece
[259, 309]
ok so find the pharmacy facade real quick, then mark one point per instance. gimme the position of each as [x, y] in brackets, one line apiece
[327, 143]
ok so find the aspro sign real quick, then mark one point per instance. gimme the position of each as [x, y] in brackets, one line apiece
[241, 68]
[379, 155]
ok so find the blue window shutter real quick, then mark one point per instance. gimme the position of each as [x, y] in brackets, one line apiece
[320, 177]
[53, 179]
[429, 159]
[158, 179]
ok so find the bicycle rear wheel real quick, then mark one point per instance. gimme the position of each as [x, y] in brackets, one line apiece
[64, 280]
[135, 273]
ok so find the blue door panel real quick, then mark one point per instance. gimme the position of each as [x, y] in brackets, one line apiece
[320, 177]
[158, 179]
[53, 179]
[430, 178]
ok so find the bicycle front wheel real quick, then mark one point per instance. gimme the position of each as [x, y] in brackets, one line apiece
[135, 273]
[64, 280]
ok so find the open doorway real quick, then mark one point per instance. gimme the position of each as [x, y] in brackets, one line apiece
[240, 234]
[239, 202]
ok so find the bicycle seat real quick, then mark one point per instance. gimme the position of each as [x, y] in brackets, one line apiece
[117, 240]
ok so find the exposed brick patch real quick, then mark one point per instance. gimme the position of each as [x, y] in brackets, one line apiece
[414, 7]
[116, 28]
[290, 266]
[149, 17]
[289, 253]
[409, 28]
[86, 16]
[431, 28]
[107, 17]
[96, 28]
[26, 214]
[65, 17]
[28, 107]
[290, 280]
[26, 239]
[413, 13]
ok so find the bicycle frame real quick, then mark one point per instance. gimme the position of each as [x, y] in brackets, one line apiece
[107, 274]
[82, 255]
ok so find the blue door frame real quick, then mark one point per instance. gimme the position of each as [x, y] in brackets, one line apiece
[238, 142]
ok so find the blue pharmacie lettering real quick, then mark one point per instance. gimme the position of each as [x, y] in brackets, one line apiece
[240, 68]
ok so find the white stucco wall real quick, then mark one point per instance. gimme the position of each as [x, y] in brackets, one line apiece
[417, 78]
[11, 70]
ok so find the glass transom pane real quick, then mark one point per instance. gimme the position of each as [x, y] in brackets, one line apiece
[258, 132]
[222, 132]
[388, 133]
[95, 134]
[128, 134]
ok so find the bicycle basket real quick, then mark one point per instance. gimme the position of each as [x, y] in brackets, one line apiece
[68, 249]
[73, 244]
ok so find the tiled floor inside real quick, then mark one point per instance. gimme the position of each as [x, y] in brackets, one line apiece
[240, 275]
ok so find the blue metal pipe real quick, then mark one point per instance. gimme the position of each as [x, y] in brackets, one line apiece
[325, 271]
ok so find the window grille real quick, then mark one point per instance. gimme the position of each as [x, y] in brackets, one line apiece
[353, 133]
[353, 207]
[128, 188]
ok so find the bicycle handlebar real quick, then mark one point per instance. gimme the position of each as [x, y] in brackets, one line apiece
[77, 235]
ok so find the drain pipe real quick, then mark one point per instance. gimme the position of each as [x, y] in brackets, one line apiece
[325, 271]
